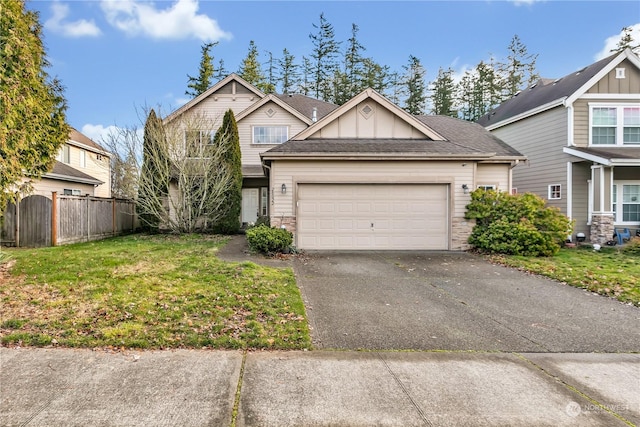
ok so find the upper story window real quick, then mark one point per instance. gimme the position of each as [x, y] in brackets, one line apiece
[64, 155]
[198, 142]
[615, 125]
[270, 134]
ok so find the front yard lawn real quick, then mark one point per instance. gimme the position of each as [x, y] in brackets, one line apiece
[608, 272]
[147, 291]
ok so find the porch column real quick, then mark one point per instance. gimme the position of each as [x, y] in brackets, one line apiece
[602, 219]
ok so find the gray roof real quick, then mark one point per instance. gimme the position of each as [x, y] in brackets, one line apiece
[65, 172]
[462, 139]
[543, 92]
[252, 171]
[305, 105]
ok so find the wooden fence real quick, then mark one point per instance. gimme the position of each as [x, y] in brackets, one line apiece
[42, 221]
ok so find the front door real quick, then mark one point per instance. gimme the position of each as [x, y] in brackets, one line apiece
[250, 204]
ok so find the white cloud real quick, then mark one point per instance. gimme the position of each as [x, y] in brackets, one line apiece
[611, 42]
[100, 134]
[79, 28]
[180, 21]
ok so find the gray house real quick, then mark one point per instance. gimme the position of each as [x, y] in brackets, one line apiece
[581, 136]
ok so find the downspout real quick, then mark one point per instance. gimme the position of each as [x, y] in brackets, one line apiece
[570, 143]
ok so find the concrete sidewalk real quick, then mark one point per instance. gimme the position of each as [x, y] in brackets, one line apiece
[63, 387]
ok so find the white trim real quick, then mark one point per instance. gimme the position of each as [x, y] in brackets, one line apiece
[599, 159]
[537, 110]
[626, 54]
[570, 124]
[590, 199]
[616, 96]
[550, 191]
[620, 193]
[569, 190]
[619, 126]
[253, 135]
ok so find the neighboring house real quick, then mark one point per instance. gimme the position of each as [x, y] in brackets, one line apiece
[82, 168]
[581, 136]
[365, 175]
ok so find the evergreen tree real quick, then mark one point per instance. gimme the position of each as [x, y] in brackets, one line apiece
[33, 124]
[153, 187]
[353, 65]
[221, 72]
[480, 91]
[518, 70]
[627, 41]
[270, 86]
[289, 75]
[198, 85]
[251, 70]
[443, 94]
[396, 88]
[227, 140]
[415, 86]
[307, 75]
[324, 54]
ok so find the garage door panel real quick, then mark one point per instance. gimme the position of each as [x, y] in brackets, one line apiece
[340, 216]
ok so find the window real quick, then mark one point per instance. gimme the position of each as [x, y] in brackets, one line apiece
[83, 159]
[627, 207]
[555, 192]
[70, 192]
[198, 142]
[487, 187]
[64, 155]
[270, 134]
[264, 201]
[615, 125]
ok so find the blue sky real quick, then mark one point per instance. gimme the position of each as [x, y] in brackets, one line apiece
[117, 57]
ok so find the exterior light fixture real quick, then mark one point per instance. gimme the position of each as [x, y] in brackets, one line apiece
[465, 188]
[284, 188]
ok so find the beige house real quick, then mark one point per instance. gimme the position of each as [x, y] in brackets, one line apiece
[82, 168]
[365, 175]
[581, 136]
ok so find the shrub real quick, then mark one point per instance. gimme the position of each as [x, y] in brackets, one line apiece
[516, 224]
[632, 247]
[269, 239]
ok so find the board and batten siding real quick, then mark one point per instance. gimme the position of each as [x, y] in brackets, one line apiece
[541, 139]
[610, 84]
[293, 172]
[368, 119]
[259, 117]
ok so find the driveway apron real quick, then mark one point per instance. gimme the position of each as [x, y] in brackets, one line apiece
[454, 301]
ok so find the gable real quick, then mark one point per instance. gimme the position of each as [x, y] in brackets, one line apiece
[611, 83]
[368, 119]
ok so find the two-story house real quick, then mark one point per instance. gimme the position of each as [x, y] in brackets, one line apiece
[581, 136]
[364, 175]
[82, 167]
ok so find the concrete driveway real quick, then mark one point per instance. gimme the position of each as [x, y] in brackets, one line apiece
[454, 301]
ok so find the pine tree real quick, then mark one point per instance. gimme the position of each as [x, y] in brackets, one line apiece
[221, 72]
[627, 41]
[324, 54]
[33, 123]
[251, 70]
[480, 91]
[198, 85]
[518, 70]
[227, 140]
[289, 75]
[443, 94]
[153, 187]
[374, 76]
[415, 86]
[353, 64]
[307, 76]
[270, 86]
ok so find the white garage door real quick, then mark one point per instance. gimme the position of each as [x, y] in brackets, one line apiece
[372, 216]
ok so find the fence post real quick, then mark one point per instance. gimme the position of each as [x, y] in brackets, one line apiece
[113, 215]
[88, 220]
[17, 225]
[54, 218]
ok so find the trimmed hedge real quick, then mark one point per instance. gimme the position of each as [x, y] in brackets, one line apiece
[265, 239]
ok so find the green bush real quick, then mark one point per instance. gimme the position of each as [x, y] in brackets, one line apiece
[263, 238]
[632, 247]
[516, 224]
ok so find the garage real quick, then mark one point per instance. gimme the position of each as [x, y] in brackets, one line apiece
[373, 216]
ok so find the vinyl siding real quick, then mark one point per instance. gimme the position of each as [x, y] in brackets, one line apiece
[581, 172]
[214, 107]
[45, 186]
[541, 139]
[292, 172]
[98, 168]
[493, 174]
[280, 117]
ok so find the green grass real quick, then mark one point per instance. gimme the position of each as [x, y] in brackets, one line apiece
[609, 272]
[146, 291]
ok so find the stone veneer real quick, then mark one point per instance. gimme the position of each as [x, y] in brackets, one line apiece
[460, 232]
[289, 222]
[601, 228]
